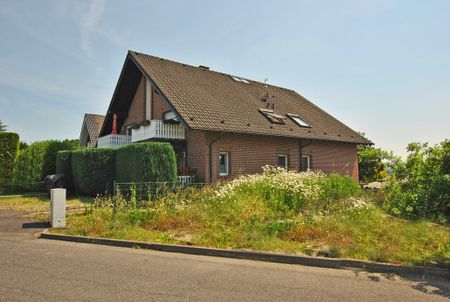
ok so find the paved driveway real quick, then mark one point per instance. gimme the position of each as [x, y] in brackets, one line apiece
[34, 269]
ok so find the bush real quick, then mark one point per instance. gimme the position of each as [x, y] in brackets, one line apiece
[64, 166]
[146, 162]
[93, 170]
[9, 146]
[36, 161]
[336, 187]
[291, 191]
[421, 186]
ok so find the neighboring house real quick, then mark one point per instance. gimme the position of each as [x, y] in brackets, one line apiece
[222, 125]
[92, 124]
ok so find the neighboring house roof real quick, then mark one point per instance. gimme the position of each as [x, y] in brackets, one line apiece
[92, 124]
[210, 100]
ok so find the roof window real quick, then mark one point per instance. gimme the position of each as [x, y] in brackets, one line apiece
[241, 80]
[298, 120]
[272, 116]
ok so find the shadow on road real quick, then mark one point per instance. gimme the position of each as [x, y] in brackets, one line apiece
[427, 285]
[35, 225]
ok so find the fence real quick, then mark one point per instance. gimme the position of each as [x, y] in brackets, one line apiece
[154, 190]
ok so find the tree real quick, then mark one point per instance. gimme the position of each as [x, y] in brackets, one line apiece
[420, 187]
[375, 164]
[2, 127]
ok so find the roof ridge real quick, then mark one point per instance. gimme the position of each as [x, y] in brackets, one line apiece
[215, 71]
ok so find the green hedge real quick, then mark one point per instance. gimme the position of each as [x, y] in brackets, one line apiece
[146, 162]
[35, 162]
[9, 146]
[93, 170]
[64, 166]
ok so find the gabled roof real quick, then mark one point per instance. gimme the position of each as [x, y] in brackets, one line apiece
[210, 100]
[93, 123]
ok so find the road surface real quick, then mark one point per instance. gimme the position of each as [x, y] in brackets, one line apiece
[33, 269]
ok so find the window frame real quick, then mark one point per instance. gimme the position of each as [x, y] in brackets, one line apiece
[309, 162]
[273, 117]
[227, 164]
[293, 118]
[286, 161]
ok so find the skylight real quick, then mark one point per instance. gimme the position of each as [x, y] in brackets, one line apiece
[298, 120]
[241, 80]
[272, 116]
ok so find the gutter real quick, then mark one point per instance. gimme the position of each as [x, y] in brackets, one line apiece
[210, 154]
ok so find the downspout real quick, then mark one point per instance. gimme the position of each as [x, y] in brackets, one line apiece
[210, 155]
[301, 146]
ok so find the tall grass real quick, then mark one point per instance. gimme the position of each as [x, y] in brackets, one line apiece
[309, 213]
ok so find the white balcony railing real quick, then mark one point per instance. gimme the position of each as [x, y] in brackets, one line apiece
[113, 141]
[158, 129]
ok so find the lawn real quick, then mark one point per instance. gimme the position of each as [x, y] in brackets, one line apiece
[293, 213]
[34, 203]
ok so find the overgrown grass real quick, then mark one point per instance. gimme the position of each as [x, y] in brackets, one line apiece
[275, 211]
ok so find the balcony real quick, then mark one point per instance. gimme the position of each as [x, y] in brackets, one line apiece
[113, 141]
[157, 129]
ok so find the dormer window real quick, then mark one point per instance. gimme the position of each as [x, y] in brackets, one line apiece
[272, 116]
[298, 120]
[171, 117]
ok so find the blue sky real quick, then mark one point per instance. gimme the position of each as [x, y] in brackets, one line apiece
[381, 67]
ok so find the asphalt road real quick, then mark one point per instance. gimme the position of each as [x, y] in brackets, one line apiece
[34, 269]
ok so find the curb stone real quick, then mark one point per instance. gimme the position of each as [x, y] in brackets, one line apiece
[334, 263]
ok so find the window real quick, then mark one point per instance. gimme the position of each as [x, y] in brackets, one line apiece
[223, 164]
[283, 161]
[170, 116]
[272, 116]
[298, 120]
[306, 163]
[241, 80]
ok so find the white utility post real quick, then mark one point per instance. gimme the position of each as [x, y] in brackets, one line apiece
[58, 205]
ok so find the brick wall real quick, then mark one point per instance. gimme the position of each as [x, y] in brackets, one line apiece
[136, 113]
[159, 107]
[248, 153]
[196, 149]
[333, 157]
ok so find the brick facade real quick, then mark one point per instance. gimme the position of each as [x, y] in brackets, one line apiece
[159, 107]
[248, 153]
[136, 113]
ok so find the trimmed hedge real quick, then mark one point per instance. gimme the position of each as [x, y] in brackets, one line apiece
[64, 166]
[146, 162]
[35, 162]
[93, 170]
[9, 146]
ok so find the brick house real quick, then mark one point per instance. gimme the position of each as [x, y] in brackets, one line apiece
[222, 125]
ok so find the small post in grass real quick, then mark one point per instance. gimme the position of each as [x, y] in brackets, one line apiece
[58, 207]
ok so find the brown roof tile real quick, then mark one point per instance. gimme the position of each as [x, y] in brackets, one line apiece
[211, 100]
[94, 123]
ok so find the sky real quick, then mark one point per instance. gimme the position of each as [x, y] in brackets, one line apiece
[382, 67]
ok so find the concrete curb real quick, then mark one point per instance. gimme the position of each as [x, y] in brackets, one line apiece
[335, 263]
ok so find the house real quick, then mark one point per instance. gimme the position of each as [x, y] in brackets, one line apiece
[92, 124]
[223, 125]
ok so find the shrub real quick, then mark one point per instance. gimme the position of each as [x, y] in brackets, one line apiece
[50, 155]
[64, 166]
[291, 191]
[146, 162]
[336, 186]
[9, 146]
[36, 161]
[421, 186]
[93, 170]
